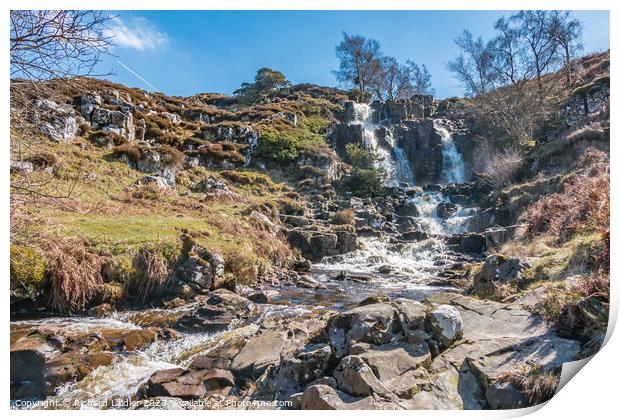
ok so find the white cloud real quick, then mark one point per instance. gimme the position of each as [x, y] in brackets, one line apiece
[138, 34]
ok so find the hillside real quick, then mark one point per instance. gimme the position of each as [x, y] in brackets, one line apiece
[303, 247]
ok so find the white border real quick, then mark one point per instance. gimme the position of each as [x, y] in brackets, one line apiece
[594, 391]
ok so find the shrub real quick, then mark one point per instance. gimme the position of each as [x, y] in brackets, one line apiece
[151, 275]
[242, 267]
[43, 159]
[344, 217]
[365, 179]
[247, 177]
[501, 166]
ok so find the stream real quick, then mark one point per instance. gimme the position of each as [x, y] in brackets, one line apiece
[380, 266]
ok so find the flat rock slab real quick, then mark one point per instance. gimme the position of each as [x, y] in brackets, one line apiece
[258, 353]
[498, 338]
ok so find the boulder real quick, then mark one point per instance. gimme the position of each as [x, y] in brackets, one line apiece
[186, 385]
[374, 324]
[412, 315]
[446, 324]
[324, 397]
[390, 361]
[139, 339]
[504, 396]
[356, 378]
[58, 122]
[258, 354]
[497, 270]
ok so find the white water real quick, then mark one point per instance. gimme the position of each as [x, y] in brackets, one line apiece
[123, 378]
[391, 159]
[429, 220]
[453, 170]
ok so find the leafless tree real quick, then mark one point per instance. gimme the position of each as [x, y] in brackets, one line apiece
[501, 165]
[420, 79]
[47, 46]
[393, 80]
[474, 66]
[359, 61]
[535, 28]
[509, 54]
[566, 31]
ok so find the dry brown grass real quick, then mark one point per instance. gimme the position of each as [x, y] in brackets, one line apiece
[344, 217]
[151, 276]
[242, 267]
[74, 272]
[533, 381]
[583, 204]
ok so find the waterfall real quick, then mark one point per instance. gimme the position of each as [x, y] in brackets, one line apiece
[391, 159]
[453, 170]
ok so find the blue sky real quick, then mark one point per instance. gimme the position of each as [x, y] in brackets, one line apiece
[183, 53]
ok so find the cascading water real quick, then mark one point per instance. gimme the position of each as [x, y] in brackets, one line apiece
[391, 159]
[453, 170]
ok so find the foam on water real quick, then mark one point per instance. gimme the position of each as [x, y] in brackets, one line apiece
[123, 378]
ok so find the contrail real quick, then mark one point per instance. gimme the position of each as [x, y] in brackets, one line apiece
[138, 76]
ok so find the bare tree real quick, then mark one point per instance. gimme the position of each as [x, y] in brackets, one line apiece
[535, 28]
[567, 32]
[359, 61]
[393, 80]
[474, 66]
[509, 54]
[46, 45]
[420, 79]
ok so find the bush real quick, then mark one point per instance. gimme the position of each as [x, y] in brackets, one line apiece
[152, 271]
[344, 217]
[243, 268]
[365, 179]
[501, 166]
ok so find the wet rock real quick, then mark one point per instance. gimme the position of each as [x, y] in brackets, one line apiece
[469, 243]
[263, 296]
[446, 325]
[445, 209]
[308, 282]
[504, 396]
[139, 339]
[221, 309]
[186, 385]
[414, 235]
[27, 360]
[372, 324]
[258, 353]
[302, 266]
[371, 300]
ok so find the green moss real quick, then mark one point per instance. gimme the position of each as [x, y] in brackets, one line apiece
[28, 269]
